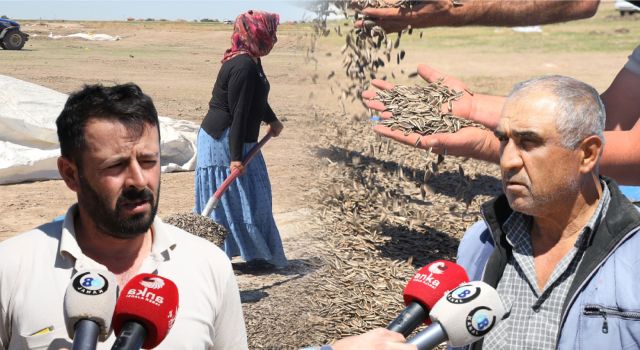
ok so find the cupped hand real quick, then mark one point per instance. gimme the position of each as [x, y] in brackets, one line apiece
[467, 142]
[462, 107]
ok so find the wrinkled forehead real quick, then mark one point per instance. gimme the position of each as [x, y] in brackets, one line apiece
[110, 135]
[534, 110]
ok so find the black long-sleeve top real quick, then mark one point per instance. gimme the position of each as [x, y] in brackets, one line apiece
[239, 101]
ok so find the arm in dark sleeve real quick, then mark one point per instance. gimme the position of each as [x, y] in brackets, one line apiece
[269, 115]
[242, 85]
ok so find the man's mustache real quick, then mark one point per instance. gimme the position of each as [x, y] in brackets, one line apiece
[133, 195]
[514, 177]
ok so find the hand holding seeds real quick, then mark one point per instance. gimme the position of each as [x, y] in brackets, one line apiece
[396, 15]
[467, 142]
[461, 105]
[437, 115]
[480, 108]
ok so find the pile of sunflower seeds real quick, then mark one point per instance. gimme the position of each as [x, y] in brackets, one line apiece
[418, 109]
[199, 225]
[383, 211]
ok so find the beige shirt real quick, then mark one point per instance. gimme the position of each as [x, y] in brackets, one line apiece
[36, 267]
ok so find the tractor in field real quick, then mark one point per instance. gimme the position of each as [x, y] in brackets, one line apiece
[11, 38]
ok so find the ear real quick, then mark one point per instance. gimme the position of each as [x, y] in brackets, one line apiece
[69, 172]
[590, 152]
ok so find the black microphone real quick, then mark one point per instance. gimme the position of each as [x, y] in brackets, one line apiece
[88, 307]
[462, 316]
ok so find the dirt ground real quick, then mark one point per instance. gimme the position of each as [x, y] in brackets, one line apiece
[176, 64]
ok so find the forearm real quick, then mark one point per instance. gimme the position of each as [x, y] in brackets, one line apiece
[621, 160]
[269, 116]
[515, 12]
[621, 101]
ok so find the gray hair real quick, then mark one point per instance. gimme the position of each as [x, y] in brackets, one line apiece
[581, 112]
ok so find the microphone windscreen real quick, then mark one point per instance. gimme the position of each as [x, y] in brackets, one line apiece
[433, 281]
[151, 301]
[469, 312]
[91, 295]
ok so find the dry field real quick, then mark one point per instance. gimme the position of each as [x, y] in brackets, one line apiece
[348, 204]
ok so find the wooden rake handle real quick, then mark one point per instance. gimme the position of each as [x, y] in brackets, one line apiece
[212, 203]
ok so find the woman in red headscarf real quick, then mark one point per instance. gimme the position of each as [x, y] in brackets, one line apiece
[237, 108]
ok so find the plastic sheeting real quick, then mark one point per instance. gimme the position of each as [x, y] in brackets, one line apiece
[29, 142]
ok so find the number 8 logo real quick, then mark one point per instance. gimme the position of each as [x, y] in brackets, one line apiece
[464, 293]
[87, 282]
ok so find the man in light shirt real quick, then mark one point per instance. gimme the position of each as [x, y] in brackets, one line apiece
[110, 156]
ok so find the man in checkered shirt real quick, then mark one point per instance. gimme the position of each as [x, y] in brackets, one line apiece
[560, 244]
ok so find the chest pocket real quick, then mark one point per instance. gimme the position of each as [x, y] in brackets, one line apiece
[54, 340]
[616, 325]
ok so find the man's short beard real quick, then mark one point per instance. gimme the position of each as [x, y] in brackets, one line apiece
[110, 221]
[569, 190]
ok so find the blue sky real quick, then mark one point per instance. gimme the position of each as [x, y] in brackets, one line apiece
[289, 10]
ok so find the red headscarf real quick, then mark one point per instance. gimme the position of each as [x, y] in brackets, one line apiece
[254, 33]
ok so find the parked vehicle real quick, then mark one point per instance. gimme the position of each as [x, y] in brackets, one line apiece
[626, 7]
[11, 38]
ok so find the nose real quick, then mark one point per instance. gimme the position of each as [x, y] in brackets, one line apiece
[510, 158]
[135, 175]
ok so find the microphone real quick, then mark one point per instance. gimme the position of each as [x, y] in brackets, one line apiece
[424, 290]
[145, 312]
[463, 316]
[88, 307]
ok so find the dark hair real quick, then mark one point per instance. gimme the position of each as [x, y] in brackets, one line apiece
[124, 103]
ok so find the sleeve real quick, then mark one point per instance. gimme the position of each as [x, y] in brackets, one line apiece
[4, 332]
[634, 61]
[474, 250]
[231, 333]
[5, 318]
[242, 86]
[269, 115]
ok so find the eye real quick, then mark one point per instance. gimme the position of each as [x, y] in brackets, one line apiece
[501, 137]
[528, 143]
[149, 163]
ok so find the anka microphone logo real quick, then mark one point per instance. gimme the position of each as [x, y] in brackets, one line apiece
[431, 280]
[147, 294]
[152, 282]
[437, 268]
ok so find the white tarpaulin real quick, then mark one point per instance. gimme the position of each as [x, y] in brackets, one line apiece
[29, 142]
[86, 36]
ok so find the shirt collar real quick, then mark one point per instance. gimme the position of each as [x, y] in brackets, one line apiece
[163, 242]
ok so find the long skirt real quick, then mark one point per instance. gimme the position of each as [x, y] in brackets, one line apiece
[245, 209]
